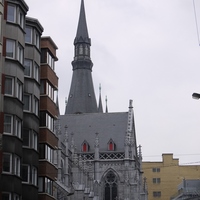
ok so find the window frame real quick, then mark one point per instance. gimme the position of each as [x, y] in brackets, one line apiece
[17, 164]
[6, 89]
[28, 173]
[37, 40]
[18, 127]
[27, 107]
[29, 35]
[156, 169]
[6, 193]
[35, 106]
[19, 90]
[11, 14]
[156, 180]
[11, 48]
[28, 68]
[10, 163]
[156, 193]
[34, 140]
[21, 19]
[20, 53]
[36, 72]
[34, 173]
[10, 124]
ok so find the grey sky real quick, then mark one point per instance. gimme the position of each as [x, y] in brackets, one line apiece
[145, 50]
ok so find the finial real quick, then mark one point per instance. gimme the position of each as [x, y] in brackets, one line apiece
[130, 103]
[100, 88]
[106, 105]
[96, 140]
[100, 108]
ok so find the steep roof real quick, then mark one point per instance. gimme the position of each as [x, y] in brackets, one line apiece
[108, 125]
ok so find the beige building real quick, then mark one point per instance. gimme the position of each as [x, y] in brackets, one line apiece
[164, 177]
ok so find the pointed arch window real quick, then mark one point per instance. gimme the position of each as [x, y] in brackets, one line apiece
[85, 146]
[110, 188]
[111, 145]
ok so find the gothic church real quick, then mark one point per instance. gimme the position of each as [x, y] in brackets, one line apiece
[99, 156]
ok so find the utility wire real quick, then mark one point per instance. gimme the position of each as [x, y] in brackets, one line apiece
[195, 16]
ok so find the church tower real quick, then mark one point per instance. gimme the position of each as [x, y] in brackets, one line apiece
[103, 161]
[81, 97]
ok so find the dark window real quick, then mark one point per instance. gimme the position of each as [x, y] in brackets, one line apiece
[110, 186]
[42, 119]
[7, 163]
[25, 173]
[156, 180]
[43, 55]
[26, 137]
[157, 194]
[6, 196]
[156, 169]
[41, 151]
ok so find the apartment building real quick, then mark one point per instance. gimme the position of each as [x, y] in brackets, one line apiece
[28, 109]
[164, 177]
[48, 140]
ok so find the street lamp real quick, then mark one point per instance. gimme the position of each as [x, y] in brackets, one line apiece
[196, 96]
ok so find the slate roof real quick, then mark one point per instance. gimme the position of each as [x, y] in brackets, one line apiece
[84, 126]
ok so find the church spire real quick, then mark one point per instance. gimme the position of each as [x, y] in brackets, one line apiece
[82, 97]
[100, 108]
[82, 32]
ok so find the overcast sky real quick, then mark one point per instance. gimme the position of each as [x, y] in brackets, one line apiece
[145, 50]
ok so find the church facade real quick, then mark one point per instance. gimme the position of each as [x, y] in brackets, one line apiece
[98, 153]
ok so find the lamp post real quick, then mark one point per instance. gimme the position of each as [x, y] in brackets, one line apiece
[196, 96]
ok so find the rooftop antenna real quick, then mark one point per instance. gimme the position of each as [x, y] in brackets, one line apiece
[195, 17]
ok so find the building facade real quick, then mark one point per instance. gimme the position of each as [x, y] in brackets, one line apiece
[164, 177]
[104, 161]
[28, 108]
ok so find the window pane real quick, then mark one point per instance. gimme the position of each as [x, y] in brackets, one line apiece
[10, 48]
[11, 13]
[9, 86]
[6, 196]
[28, 67]
[26, 137]
[7, 163]
[19, 90]
[21, 19]
[18, 128]
[27, 105]
[40, 184]
[28, 36]
[8, 123]
[20, 54]
[36, 72]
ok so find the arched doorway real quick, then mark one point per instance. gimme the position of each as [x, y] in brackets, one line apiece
[110, 188]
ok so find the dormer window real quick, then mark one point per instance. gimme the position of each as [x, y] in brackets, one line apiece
[85, 147]
[111, 145]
